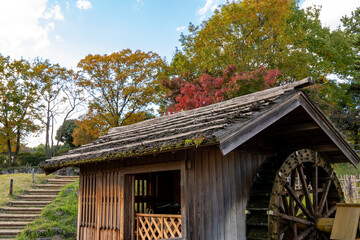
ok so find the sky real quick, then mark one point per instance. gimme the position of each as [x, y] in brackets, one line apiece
[65, 31]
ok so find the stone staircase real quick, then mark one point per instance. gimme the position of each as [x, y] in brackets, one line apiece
[27, 207]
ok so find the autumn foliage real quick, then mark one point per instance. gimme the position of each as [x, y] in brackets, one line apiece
[183, 94]
[88, 128]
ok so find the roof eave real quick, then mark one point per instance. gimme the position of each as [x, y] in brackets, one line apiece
[327, 126]
[249, 130]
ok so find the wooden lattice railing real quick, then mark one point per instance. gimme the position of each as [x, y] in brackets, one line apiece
[158, 226]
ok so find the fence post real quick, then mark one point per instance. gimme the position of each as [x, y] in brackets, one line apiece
[32, 175]
[11, 187]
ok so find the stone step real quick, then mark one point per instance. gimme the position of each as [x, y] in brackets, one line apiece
[37, 197]
[68, 177]
[29, 203]
[13, 225]
[9, 233]
[49, 186]
[59, 181]
[17, 217]
[42, 191]
[20, 210]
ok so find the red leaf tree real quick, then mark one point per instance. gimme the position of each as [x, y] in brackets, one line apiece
[184, 93]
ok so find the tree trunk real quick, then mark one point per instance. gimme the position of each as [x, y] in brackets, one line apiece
[61, 132]
[47, 155]
[9, 149]
[17, 149]
[52, 136]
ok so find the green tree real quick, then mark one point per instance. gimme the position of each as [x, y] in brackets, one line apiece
[344, 98]
[340, 104]
[275, 34]
[352, 31]
[19, 103]
[65, 132]
[50, 79]
[121, 84]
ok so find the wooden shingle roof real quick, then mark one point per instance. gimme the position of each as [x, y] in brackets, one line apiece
[221, 123]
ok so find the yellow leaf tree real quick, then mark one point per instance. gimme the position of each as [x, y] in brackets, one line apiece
[122, 88]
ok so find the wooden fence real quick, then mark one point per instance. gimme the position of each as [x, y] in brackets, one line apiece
[158, 226]
[351, 187]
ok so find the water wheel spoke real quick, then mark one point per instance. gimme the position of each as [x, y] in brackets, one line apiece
[297, 206]
[285, 203]
[294, 219]
[306, 233]
[293, 195]
[294, 230]
[316, 185]
[326, 206]
[331, 211]
[325, 193]
[305, 189]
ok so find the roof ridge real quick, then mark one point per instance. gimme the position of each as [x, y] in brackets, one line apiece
[281, 89]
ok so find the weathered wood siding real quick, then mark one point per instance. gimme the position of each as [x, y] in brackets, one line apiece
[216, 192]
[100, 203]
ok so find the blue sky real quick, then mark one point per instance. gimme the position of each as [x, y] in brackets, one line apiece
[72, 29]
[110, 26]
[65, 31]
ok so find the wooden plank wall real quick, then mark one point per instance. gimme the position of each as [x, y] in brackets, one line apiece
[100, 205]
[216, 192]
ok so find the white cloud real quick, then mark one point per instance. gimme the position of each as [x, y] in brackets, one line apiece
[182, 28]
[54, 13]
[83, 4]
[332, 10]
[26, 25]
[208, 8]
[208, 5]
[58, 38]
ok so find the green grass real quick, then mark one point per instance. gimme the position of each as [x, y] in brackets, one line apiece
[58, 218]
[21, 182]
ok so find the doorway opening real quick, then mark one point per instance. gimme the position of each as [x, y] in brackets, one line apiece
[157, 205]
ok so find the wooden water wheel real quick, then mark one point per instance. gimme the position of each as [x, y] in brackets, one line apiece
[289, 198]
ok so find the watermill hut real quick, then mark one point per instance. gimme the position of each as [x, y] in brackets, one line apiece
[238, 169]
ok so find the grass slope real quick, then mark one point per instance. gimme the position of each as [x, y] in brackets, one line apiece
[58, 220]
[21, 182]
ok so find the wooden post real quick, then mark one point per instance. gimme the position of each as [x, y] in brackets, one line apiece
[137, 228]
[11, 187]
[32, 175]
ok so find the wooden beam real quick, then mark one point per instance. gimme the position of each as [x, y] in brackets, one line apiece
[156, 167]
[122, 206]
[252, 128]
[318, 148]
[99, 196]
[294, 128]
[249, 130]
[184, 203]
[80, 205]
[329, 129]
